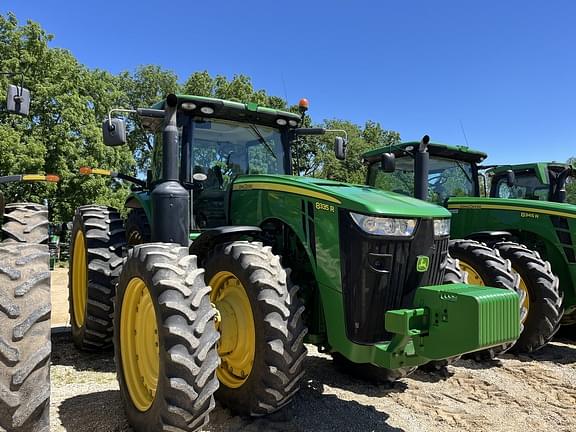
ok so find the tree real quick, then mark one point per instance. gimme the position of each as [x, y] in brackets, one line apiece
[63, 131]
[571, 184]
[360, 140]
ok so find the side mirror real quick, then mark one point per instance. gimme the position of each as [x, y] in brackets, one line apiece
[388, 163]
[510, 178]
[340, 147]
[114, 132]
[18, 100]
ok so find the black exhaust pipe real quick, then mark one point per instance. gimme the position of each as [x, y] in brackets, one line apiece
[170, 201]
[421, 167]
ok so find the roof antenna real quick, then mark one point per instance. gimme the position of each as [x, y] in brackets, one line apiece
[463, 132]
[285, 91]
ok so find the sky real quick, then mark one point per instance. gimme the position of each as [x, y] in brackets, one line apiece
[498, 75]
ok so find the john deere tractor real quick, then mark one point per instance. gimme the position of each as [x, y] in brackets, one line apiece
[532, 235]
[232, 264]
[536, 193]
[24, 303]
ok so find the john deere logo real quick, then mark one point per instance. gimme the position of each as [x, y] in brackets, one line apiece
[422, 263]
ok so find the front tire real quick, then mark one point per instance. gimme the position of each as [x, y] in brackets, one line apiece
[262, 330]
[95, 263]
[165, 340]
[24, 337]
[542, 296]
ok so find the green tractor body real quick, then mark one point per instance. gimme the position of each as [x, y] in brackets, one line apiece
[367, 265]
[518, 207]
[359, 293]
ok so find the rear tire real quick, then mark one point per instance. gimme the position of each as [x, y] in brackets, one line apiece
[543, 299]
[25, 223]
[278, 331]
[178, 391]
[95, 264]
[137, 228]
[25, 345]
[486, 267]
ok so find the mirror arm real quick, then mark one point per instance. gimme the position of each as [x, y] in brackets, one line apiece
[118, 110]
[338, 130]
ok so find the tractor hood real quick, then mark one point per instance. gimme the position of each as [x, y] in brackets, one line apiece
[514, 204]
[358, 198]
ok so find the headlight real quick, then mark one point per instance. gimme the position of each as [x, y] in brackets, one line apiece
[385, 226]
[441, 227]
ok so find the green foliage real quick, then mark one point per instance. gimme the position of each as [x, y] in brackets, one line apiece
[571, 184]
[323, 163]
[63, 131]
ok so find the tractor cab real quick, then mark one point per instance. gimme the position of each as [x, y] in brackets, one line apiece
[217, 142]
[542, 181]
[452, 171]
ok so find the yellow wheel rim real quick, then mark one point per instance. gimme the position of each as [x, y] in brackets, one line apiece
[525, 293]
[236, 326]
[79, 280]
[139, 344]
[474, 277]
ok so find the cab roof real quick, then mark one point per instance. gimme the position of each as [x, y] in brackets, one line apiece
[461, 153]
[234, 110]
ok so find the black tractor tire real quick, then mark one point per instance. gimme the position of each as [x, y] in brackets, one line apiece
[137, 228]
[104, 240]
[544, 296]
[495, 271]
[25, 223]
[187, 339]
[368, 372]
[453, 274]
[25, 345]
[279, 352]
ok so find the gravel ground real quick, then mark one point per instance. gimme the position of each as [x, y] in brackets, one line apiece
[536, 392]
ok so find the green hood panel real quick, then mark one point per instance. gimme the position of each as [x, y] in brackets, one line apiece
[363, 199]
[515, 204]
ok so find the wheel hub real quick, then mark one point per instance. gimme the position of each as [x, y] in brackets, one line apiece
[79, 280]
[236, 326]
[139, 344]
[474, 277]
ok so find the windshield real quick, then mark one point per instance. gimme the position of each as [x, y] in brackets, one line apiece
[526, 186]
[223, 149]
[447, 178]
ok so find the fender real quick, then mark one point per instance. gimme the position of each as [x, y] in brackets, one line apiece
[140, 200]
[209, 238]
[490, 237]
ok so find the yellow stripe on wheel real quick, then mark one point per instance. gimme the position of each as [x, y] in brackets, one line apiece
[139, 344]
[237, 332]
[79, 280]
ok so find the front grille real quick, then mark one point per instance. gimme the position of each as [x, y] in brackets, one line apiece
[380, 274]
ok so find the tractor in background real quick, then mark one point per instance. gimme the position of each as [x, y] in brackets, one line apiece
[232, 263]
[533, 235]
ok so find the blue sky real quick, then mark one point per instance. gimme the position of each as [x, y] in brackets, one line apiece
[505, 70]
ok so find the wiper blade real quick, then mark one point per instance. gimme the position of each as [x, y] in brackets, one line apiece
[262, 140]
[464, 171]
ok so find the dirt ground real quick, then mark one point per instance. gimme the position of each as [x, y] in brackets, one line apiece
[527, 393]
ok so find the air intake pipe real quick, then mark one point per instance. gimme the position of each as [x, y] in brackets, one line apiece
[170, 201]
[421, 167]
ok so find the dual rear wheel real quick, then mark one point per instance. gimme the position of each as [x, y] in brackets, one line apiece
[182, 334]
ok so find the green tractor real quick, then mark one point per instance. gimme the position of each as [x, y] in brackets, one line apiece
[232, 264]
[25, 305]
[533, 236]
